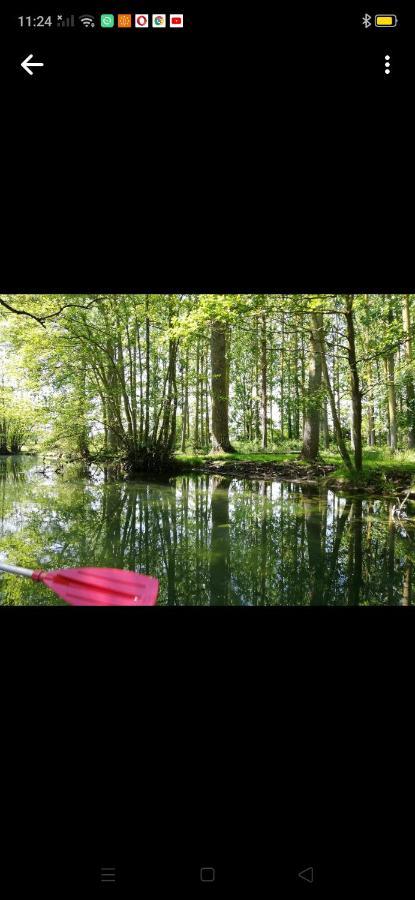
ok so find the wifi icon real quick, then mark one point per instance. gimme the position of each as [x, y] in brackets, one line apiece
[87, 21]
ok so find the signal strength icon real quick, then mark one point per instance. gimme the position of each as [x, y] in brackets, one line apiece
[87, 21]
[69, 22]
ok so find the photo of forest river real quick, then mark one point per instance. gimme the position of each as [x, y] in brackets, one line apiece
[224, 449]
[210, 540]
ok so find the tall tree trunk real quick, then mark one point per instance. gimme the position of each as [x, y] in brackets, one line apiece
[289, 404]
[171, 441]
[207, 424]
[141, 387]
[104, 419]
[196, 440]
[131, 386]
[303, 387]
[264, 381]
[336, 371]
[317, 328]
[114, 422]
[185, 401]
[282, 382]
[407, 585]
[257, 386]
[167, 434]
[3, 424]
[311, 432]
[220, 388]
[297, 388]
[390, 369]
[385, 404]
[409, 381]
[355, 385]
[352, 444]
[83, 437]
[147, 400]
[202, 399]
[371, 408]
[325, 424]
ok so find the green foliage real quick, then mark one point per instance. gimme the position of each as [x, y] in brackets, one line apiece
[119, 374]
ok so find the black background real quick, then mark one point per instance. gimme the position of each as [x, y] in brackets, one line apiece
[259, 150]
[250, 151]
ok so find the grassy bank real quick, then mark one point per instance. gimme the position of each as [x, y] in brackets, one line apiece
[383, 472]
[201, 458]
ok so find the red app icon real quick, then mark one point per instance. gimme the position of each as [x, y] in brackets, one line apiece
[176, 20]
[141, 20]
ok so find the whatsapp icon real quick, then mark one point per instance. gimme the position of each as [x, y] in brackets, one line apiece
[107, 20]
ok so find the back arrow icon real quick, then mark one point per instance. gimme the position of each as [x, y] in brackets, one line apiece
[28, 68]
[307, 875]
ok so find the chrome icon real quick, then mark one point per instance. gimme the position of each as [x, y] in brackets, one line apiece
[159, 20]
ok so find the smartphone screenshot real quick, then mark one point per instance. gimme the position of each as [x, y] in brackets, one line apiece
[207, 450]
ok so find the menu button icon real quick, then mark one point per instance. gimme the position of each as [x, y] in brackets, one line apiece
[108, 875]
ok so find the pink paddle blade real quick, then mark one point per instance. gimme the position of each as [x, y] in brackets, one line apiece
[101, 587]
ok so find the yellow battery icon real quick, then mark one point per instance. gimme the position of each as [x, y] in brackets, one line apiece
[386, 21]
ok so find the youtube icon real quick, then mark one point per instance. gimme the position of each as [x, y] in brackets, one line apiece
[176, 20]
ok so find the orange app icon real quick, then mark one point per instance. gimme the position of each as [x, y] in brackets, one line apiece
[124, 21]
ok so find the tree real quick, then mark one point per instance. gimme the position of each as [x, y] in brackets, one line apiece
[355, 385]
[264, 381]
[318, 331]
[390, 378]
[311, 433]
[409, 380]
[220, 388]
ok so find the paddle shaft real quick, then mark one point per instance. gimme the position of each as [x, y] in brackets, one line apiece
[16, 570]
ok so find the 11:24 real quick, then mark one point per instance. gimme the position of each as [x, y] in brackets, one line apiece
[35, 21]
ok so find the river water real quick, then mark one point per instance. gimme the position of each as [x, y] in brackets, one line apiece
[208, 539]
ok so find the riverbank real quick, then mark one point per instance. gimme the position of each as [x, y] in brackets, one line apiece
[268, 470]
[382, 473]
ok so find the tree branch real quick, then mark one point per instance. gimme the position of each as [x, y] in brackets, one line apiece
[22, 312]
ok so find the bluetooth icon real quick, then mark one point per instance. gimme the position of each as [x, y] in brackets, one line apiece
[367, 20]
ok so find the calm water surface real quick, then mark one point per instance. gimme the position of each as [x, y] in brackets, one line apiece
[209, 540]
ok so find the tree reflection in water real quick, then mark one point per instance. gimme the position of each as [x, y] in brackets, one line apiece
[220, 543]
[209, 539]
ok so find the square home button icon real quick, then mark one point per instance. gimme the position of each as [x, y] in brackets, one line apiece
[207, 874]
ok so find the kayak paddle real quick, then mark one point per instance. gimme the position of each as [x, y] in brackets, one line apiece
[95, 587]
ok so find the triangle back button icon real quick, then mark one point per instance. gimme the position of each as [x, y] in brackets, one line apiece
[307, 875]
